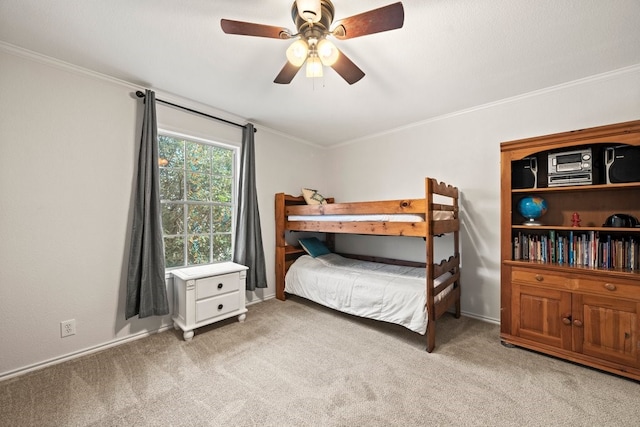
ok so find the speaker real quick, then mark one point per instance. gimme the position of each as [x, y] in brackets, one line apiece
[524, 173]
[622, 164]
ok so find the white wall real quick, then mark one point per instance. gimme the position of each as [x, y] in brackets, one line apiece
[68, 153]
[463, 150]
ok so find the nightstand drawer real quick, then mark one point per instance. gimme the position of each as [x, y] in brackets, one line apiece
[610, 288]
[540, 277]
[217, 285]
[217, 306]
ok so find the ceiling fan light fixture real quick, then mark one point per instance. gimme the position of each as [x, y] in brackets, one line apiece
[309, 10]
[297, 52]
[313, 21]
[327, 52]
[314, 67]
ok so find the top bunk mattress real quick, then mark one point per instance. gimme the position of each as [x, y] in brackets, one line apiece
[437, 216]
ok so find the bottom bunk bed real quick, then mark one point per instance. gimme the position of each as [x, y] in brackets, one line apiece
[408, 293]
[375, 290]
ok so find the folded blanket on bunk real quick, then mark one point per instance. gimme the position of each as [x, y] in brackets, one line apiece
[390, 293]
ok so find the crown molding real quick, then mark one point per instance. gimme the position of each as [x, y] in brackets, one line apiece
[586, 80]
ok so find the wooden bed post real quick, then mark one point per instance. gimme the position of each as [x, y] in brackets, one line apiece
[280, 246]
[431, 313]
[456, 250]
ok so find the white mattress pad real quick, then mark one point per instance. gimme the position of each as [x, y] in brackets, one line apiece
[437, 215]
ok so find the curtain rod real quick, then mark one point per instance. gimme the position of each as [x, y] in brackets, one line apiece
[141, 94]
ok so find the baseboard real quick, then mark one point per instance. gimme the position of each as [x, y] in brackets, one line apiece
[482, 318]
[255, 299]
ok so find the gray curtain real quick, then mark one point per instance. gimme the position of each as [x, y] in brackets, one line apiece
[146, 289]
[248, 246]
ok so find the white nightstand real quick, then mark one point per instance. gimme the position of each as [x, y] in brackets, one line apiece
[208, 294]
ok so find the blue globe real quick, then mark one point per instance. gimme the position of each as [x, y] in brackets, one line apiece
[532, 208]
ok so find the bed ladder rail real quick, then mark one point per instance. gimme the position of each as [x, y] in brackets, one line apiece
[443, 189]
[452, 265]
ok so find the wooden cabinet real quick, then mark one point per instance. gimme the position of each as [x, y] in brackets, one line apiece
[208, 294]
[585, 309]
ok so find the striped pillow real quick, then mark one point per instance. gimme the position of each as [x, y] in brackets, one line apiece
[312, 197]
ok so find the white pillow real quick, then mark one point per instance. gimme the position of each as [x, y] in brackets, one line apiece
[312, 197]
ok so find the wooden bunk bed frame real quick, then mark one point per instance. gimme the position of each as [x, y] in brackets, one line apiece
[286, 205]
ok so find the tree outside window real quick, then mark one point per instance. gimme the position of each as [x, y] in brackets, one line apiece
[196, 192]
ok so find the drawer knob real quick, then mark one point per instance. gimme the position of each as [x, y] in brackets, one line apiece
[610, 286]
[577, 323]
[219, 285]
[220, 306]
[566, 320]
[539, 277]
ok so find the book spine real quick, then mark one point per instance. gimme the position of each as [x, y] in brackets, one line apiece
[571, 249]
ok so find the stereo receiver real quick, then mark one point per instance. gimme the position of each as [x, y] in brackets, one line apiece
[570, 168]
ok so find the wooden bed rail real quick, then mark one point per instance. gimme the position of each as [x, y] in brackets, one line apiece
[445, 283]
[452, 264]
[407, 206]
[408, 229]
[443, 189]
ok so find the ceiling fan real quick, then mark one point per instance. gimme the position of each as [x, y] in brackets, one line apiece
[313, 20]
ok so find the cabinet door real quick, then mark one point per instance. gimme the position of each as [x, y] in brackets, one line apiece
[607, 328]
[542, 315]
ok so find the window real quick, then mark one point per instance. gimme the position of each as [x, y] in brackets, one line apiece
[197, 180]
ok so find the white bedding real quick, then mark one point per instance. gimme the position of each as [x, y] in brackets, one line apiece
[390, 293]
[437, 215]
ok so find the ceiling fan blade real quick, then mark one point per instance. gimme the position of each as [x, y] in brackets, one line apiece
[287, 74]
[251, 29]
[374, 21]
[347, 69]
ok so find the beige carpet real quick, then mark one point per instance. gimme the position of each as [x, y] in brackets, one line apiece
[295, 363]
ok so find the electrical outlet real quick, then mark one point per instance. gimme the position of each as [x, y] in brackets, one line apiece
[67, 327]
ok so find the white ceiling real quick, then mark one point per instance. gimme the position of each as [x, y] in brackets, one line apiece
[450, 55]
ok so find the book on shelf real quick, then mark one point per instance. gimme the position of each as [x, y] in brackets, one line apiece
[587, 248]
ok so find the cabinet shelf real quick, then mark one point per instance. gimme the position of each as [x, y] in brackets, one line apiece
[605, 230]
[579, 188]
[592, 206]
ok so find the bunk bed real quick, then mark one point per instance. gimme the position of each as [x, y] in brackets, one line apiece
[439, 283]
